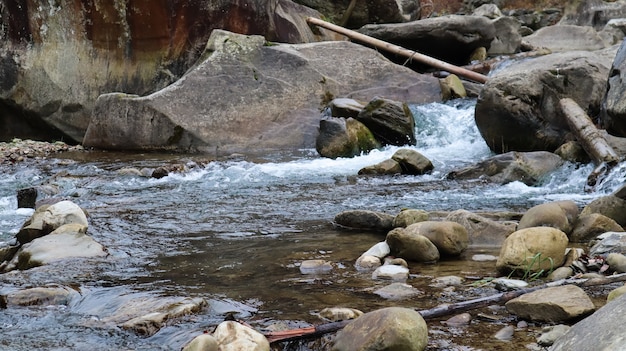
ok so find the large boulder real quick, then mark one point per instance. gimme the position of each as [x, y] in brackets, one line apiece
[449, 237]
[518, 108]
[482, 231]
[48, 218]
[248, 95]
[610, 206]
[527, 167]
[451, 38]
[57, 57]
[412, 246]
[391, 328]
[566, 38]
[613, 114]
[532, 250]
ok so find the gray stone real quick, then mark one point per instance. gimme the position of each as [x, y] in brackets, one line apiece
[589, 226]
[409, 216]
[566, 38]
[344, 107]
[397, 291]
[555, 304]
[412, 246]
[391, 328]
[340, 137]
[610, 206]
[613, 114]
[385, 167]
[482, 231]
[364, 219]
[508, 38]
[609, 242]
[391, 122]
[150, 323]
[551, 333]
[412, 162]
[558, 214]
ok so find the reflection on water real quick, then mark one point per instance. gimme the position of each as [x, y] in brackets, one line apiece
[234, 231]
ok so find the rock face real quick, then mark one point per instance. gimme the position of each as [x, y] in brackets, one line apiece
[603, 330]
[614, 109]
[532, 250]
[566, 38]
[517, 110]
[555, 304]
[246, 95]
[392, 328]
[450, 38]
[57, 57]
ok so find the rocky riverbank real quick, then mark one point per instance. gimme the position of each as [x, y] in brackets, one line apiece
[19, 150]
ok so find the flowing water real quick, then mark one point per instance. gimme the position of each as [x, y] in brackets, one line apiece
[234, 232]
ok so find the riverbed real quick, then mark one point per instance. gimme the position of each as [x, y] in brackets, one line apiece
[234, 229]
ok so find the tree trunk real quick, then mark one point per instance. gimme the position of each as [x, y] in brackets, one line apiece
[395, 49]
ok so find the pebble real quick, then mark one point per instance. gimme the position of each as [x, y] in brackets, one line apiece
[505, 334]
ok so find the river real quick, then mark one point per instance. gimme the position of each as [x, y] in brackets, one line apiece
[233, 232]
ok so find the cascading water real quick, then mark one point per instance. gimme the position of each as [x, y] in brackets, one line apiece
[234, 232]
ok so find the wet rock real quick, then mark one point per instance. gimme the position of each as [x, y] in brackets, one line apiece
[484, 258]
[452, 88]
[392, 328]
[41, 296]
[364, 219]
[396, 261]
[344, 107]
[67, 241]
[589, 226]
[150, 323]
[391, 271]
[616, 262]
[573, 152]
[315, 267]
[407, 217]
[517, 109]
[160, 172]
[551, 333]
[367, 263]
[391, 122]
[610, 206]
[234, 336]
[444, 37]
[566, 38]
[526, 167]
[335, 314]
[607, 243]
[412, 162]
[397, 291]
[202, 342]
[533, 250]
[48, 218]
[603, 330]
[386, 167]
[412, 246]
[26, 197]
[505, 334]
[555, 304]
[559, 214]
[459, 320]
[341, 137]
[482, 231]
[450, 238]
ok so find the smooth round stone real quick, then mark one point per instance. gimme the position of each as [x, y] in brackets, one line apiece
[391, 271]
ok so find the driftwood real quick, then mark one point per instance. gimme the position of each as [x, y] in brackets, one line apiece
[446, 309]
[395, 49]
[591, 139]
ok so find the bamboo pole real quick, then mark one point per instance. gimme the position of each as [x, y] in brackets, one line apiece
[409, 54]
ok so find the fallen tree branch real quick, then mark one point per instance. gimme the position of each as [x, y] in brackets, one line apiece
[446, 309]
[462, 72]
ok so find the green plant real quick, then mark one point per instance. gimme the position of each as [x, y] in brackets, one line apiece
[532, 270]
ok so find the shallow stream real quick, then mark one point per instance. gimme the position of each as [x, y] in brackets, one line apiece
[233, 231]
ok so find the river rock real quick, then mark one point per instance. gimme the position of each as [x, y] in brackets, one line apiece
[603, 330]
[615, 293]
[150, 323]
[555, 304]
[391, 122]
[412, 246]
[202, 342]
[67, 241]
[335, 314]
[613, 114]
[450, 238]
[397, 291]
[42, 296]
[610, 206]
[445, 37]
[346, 108]
[341, 137]
[409, 216]
[518, 108]
[391, 271]
[391, 328]
[549, 334]
[532, 250]
[412, 162]
[589, 226]
[52, 68]
[616, 262]
[385, 167]
[315, 267]
[251, 95]
[234, 336]
[364, 219]
[372, 258]
[48, 218]
[561, 38]
[482, 231]
[527, 167]
[559, 214]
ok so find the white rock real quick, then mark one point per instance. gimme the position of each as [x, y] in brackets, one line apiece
[391, 271]
[233, 336]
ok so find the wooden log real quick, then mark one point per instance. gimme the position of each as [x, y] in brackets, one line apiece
[398, 50]
[592, 141]
[447, 309]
